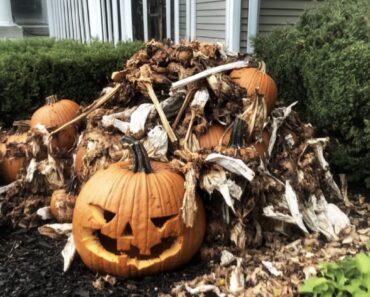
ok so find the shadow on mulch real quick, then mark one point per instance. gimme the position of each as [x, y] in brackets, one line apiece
[31, 265]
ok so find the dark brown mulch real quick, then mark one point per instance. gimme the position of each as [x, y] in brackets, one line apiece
[31, 265]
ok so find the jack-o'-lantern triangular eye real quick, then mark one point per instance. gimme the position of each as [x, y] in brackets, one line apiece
[108, 215]
[159, 222]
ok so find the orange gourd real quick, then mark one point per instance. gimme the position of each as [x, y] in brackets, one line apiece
[212, 137]
[127, 219]
[245, 149]
[61, 206]
[11, 165]
[53, 115]
[80, 153]
[252, 78]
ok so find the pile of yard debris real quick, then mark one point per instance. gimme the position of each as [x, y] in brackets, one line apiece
[214, 118]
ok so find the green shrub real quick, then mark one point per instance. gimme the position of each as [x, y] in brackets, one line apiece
[324, 63]
[346, 278]
[32, 69]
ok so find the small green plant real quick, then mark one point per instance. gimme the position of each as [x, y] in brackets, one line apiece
[346, 278]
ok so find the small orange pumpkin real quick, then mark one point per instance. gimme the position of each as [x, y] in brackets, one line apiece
[127, 219]
[55, 114]
[61, 206]
[212, 137]
[237, 142]
[11, 165]
[252, 78]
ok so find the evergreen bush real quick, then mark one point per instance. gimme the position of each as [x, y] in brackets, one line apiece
[323, 61]
[32, 69]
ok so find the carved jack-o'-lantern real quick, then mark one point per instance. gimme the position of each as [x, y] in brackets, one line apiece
[127, 219]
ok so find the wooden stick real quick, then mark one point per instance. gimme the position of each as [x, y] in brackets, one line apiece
[184, 105]
[162, 116]
[208, 72]
[96, 104]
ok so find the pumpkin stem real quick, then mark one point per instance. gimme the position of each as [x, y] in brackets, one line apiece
[238, 133]
[141, 160]
[51, 99]
[263, 67]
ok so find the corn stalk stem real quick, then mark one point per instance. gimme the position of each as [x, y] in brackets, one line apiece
[96, 104]
[208, 72]
[162, 116]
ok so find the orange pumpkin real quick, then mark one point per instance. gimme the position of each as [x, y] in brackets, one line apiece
[55, 114]
[212, 137]
[238, 142]
[127, 219]
[61, 206]
[252, 78]
[11, 165]
[80, 153]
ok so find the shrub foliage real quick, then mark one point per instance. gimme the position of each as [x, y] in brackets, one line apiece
[32, 69]
[324, 62]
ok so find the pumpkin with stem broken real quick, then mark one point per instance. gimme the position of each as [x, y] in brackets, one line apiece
[252, 78]
[53, 115]
[127, 219]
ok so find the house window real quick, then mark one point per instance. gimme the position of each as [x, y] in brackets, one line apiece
[157, 19]
[30, 12]
[137, 19]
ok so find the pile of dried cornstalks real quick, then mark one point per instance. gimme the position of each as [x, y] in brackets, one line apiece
[169, 96]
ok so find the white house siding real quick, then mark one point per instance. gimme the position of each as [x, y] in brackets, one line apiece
[182, 18]
[273, 14]
[210, 20]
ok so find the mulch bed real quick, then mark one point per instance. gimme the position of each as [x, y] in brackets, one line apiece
[31, 265]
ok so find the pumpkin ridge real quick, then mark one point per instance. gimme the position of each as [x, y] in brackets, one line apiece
[170, 181]
[64, 113]
[156, 182]
[164, 181]
[128, 210]
[252, 81]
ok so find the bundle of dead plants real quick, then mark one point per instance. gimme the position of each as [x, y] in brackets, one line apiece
[253, 167]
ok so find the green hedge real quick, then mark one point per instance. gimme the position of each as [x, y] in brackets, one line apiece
[32, 69]
[324, 62]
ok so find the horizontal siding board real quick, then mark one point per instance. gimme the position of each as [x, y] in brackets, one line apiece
[219, 5]
[207, 1]
[208, 33]
[211, 27]
[211, 20]
[286, 4]
[206, 13]
[210, 39]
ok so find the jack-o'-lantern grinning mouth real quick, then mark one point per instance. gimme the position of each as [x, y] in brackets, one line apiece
[110, 245]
